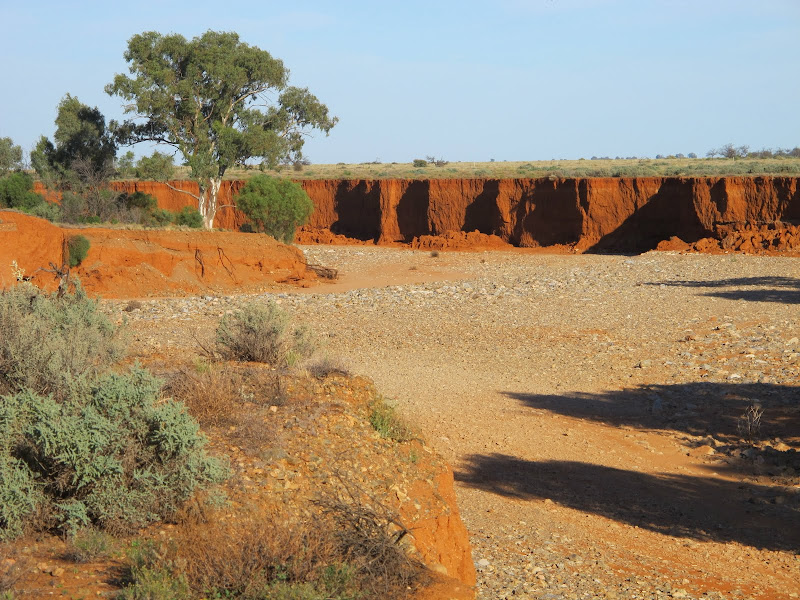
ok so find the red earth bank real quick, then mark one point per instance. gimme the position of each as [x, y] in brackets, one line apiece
[137, 263]
[591, 214]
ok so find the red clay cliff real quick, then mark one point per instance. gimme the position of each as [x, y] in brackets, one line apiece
[591, 214]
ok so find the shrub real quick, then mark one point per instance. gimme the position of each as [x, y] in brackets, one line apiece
[419, 163]
[73, 207]
[327, 366]
[48, 343]
[16, 191]
[262, 333]
[78, 248]
[110, 454]
[137, 200]
[275, 206]
[89, 544]
[159, 217]
[46, 210]
[279, 558]
[188, 217]
[370, 536]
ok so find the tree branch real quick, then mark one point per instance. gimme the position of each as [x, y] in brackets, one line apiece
[177, 189]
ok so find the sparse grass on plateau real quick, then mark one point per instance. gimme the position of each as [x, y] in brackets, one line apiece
[629, 167]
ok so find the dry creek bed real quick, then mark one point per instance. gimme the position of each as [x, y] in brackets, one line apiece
[594, 407]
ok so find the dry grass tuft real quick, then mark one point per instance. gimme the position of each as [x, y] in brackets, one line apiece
[327, 366]
[371, 536]
[242, 558]
[215, 392]
[273, 555]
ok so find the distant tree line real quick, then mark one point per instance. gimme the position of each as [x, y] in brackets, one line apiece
[726, 151]
[734, 152]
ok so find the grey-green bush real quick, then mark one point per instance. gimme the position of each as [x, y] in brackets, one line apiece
[263, 333]
[276, 207]
[50, 344]
[109, 454]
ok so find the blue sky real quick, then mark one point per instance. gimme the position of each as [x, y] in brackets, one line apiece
[466, 81]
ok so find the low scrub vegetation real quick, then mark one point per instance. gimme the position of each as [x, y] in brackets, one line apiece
[263, 333]
[51, 345]
[96, 453]
[346, 553]
[80, 445]
[384, 418]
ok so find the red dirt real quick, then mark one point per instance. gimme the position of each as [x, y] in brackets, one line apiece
[592, 214]
[441, 539]
[137, 263]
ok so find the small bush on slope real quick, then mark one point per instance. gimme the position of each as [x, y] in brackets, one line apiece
[78, 248]
[262, 333]
[48, 344]
[109, 454]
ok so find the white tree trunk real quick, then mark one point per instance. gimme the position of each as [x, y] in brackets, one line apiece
[207, 204]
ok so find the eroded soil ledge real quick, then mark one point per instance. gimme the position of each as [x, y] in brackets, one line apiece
[583, 215]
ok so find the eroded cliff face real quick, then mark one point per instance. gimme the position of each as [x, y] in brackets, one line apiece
[125, 263]
[594, 214]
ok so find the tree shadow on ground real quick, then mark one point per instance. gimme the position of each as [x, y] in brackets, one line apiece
[710, 414]
[677, 505]
[785, 290]
[696, 408]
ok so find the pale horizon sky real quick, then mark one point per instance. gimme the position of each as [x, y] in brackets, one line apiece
[465, 81]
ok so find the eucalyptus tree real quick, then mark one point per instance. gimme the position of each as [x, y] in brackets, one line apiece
[218, 102]
[10, 156]
[81, 144]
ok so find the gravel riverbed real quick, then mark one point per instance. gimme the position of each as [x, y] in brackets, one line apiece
[592, 406]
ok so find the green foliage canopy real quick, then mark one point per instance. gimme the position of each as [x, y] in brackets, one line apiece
[10, 156]
[82, 143]
[16, 191]
[156, 167]
[275, 206]
[218, 101]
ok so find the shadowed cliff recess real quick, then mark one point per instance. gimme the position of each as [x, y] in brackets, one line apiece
[583, 215]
